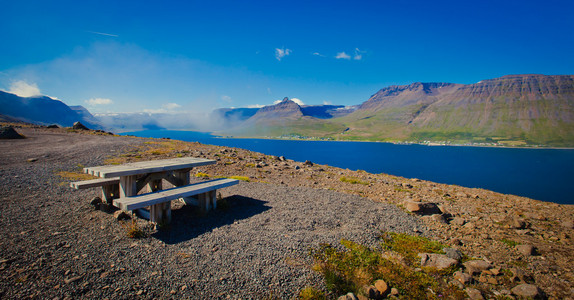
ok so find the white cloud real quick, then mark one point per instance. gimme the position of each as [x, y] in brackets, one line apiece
[325, 102]
[24, 89]
[255, 106]
[298, 101]
[226, 98]
[281, 52]
[99, 101]
[318, 54]
[171, 106]
[342, 55]
[358, 54]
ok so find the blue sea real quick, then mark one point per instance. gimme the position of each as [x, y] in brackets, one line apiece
[542, 174]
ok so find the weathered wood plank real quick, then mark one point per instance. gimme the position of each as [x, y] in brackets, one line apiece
[139, 201]
[145, 167]
[128, 186]
[85, 184]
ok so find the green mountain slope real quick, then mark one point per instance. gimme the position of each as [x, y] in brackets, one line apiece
[511, 110]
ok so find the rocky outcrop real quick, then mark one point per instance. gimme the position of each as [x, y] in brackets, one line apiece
[9, 133]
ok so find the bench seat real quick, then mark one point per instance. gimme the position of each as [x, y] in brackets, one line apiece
[201, 188]
[85, 184]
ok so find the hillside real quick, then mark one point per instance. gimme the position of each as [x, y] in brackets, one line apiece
[513, 110]
[44, 110]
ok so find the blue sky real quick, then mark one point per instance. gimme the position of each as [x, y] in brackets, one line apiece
[130, 56]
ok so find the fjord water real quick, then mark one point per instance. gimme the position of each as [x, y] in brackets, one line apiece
[542, 174]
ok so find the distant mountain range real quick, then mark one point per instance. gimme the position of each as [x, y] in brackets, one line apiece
[512, 110]
[44, 110]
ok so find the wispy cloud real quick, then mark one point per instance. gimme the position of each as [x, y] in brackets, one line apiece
[281, 52]
[358, 54]
[24, 89]
[226, 98]
[255, 106]
[342, 55]
[318, 54]
[99, 101]
[296, 100]
[103, 33]
[171, 106]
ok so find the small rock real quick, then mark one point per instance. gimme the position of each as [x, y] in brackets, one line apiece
[297, 167]
[462, 277]
[519, 275]
[394, 291]
[529, 291]
[308, 163]
[121, 215]
[526, 250]
[96, 202]
[453, 253]
[456, 242]
[282, 158]
[73, 279]
[474, 294]
[32, 159]
[568, 224]
[422, 208]
[382, 287]
[458, 221]
[518, 223]
[476, 266]
[439, 218]
[439, 261]
[371, 292]
[349, 296]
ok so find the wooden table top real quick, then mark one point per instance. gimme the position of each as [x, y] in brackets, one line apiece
[146, 167]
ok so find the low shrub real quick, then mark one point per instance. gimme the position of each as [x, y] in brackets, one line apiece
[353, 180]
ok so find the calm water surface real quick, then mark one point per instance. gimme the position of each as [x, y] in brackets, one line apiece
[543, 174]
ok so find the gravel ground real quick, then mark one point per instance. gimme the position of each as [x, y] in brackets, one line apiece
[55, 245]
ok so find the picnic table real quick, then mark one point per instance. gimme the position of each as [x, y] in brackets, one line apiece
[137, 185]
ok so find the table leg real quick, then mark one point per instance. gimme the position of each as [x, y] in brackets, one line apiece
[128, 186]
[159, 213]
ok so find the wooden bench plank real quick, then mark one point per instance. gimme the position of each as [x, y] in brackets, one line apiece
[85, 184]
[140, 201]
[144, 167]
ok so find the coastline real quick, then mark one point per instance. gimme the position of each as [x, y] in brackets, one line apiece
[484, 225]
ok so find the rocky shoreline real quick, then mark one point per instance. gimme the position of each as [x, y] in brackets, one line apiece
[55, 245]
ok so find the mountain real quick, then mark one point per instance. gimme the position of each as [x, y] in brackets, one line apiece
[44, 111]
[513, 110]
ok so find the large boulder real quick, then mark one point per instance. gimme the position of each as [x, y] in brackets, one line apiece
[528, 291]
[79, 126]
[9, 133]
[422, 208]
[439, 261]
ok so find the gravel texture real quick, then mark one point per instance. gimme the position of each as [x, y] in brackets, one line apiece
[55, 245]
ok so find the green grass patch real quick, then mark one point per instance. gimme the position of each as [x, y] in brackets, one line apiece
[510, 243]
[311, 293]
[202, 175]
[242, 178]
[349, 270]
[353, 180]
